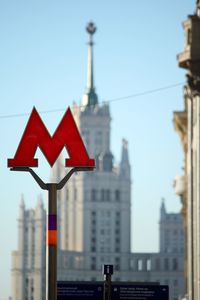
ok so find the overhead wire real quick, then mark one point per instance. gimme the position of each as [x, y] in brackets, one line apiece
[147, 92]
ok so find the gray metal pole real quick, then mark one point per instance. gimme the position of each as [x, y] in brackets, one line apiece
[51, 248]
[107, 272]
[107, 287]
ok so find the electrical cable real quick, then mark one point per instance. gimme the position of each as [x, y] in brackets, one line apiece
[107, 101]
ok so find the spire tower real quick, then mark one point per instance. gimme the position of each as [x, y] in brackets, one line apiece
[90, 97]
[162, 209]
[124, 165]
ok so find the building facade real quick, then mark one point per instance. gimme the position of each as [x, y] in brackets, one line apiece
[28, 262]
[94, 218]
[187, 124]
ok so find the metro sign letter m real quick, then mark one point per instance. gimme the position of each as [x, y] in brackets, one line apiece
[37, 135]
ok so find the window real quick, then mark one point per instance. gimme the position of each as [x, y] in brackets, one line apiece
[132, 264]
[139, 264]
[166, 264]
[102, 249]
[157, 264]
[102, 195]
[94, 231]
[93, 249]
[93, 267]
[93, 222]
[117, 195]
[189, 37]
[175, 282]
[174, 264]
[117, 263]
[148, 264]
[107, 195]
[93, 263]
[78, 262]
[117, 222]
[117, 240]
[93, 218]
[93, 195]
[118, 214]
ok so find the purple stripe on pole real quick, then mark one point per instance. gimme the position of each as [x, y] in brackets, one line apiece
[52, 224]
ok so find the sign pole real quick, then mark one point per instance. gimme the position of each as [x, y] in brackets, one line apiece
[107, 271]
[107, 287]
[51, 246]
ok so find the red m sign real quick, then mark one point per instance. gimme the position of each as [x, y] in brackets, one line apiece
[37, 135]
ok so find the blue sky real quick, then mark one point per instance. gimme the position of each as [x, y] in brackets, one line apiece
[43, 63]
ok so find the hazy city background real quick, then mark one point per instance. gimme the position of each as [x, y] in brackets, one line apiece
[43, 63]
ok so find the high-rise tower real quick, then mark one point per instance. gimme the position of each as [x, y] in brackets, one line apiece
[28, 262]
[171, 232]
[95, 207]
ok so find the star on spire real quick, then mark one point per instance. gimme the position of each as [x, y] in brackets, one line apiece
[90, 97]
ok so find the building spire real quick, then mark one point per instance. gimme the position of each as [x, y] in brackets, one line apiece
[162, 208]
[21, 208]
[124, 164]
[91, 30]
[90, 97]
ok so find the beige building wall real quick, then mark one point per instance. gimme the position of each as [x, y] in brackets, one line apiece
[188, 128]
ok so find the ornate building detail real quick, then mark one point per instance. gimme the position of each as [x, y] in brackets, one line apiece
[187, 124]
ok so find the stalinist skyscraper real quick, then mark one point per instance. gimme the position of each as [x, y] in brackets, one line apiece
[95, 207]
